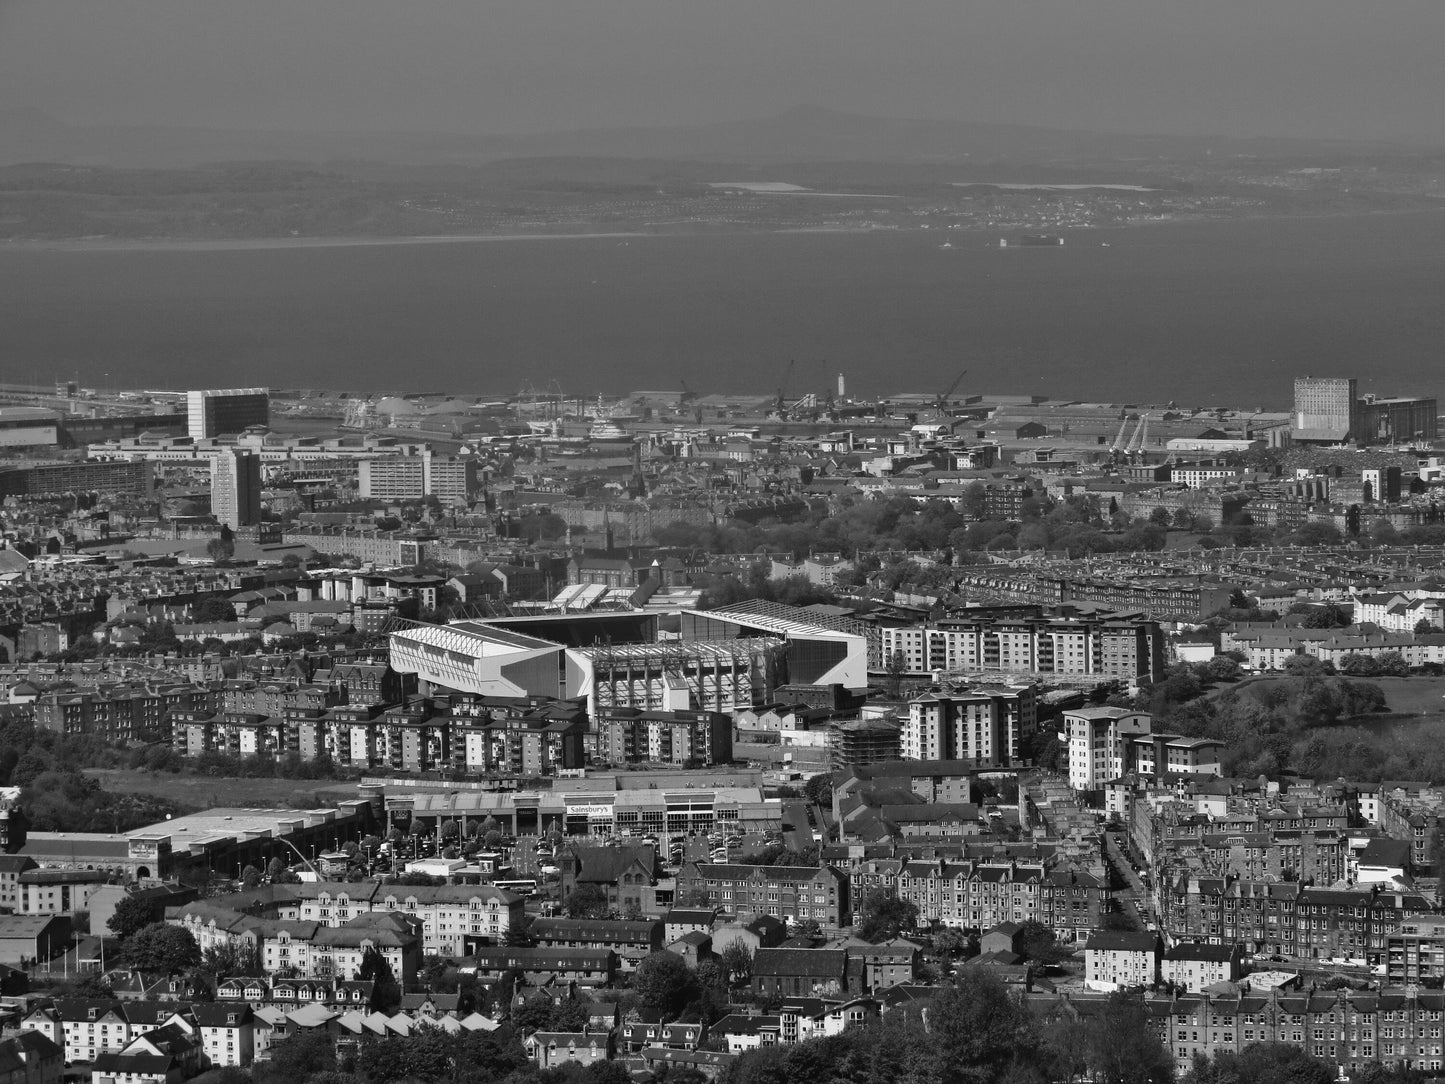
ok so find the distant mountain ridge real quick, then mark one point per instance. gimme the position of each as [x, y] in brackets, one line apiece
[802, 134]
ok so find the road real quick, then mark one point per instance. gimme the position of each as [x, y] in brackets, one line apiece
[1133, 899]
[797, 833]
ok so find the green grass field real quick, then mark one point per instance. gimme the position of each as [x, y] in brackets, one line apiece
[204, 791]
[1411, 696]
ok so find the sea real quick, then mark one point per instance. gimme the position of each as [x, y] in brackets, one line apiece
[1205, 313]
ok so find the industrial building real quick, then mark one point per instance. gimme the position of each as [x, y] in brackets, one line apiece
[215, 412]
[1329, 410]
[1391, 421]
[1326, 408]
[28, 427]
[586, 809]
[222, 839]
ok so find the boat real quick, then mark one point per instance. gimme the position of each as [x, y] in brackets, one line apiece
[604, 431]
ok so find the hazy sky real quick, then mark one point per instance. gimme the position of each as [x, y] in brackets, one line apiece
[1237, 67]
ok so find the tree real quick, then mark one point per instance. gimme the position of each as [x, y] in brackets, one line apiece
[1392, 664]
[385, 994]
[251, 877]
[1160, 516]
[221, 549]
[1266, 1063]
[586, 901]
[159, 947]
[1037, 942]
[541, 1011]
[232, 960]
[737, 961]
[950, 941]
[883, 916]
[132, 913]
[1300, 665]
[92, 985]
[1329, 616]
[214, 609]
[1123, 1046]
[819, 789]
[517, 936]
[1357, 665]
[897, 667]
[1222, 668]
[302, 1056]
[663, 982]
[979, 1032]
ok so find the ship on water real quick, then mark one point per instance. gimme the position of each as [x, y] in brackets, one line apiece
[1033, 240]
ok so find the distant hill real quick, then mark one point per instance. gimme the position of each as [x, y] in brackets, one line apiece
[804, 134]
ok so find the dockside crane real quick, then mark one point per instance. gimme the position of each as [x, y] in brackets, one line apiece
[781, 405]
[1136, 442]
[941, 403]
[1118, 445]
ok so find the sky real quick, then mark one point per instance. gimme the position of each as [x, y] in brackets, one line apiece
[1307, 68]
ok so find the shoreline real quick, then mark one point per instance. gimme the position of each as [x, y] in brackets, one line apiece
[244, 244]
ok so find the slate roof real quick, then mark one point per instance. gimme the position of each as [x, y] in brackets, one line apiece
[810, 963]
[1121, 941]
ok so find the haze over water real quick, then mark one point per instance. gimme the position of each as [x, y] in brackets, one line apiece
[1202, 314]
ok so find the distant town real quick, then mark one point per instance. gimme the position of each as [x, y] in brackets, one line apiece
[656, 736]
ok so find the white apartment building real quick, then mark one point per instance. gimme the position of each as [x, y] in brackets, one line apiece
[1048, 645]
[1098, 743]
[316, 951]
[448, 913]
[986, 725]
[1116, 960]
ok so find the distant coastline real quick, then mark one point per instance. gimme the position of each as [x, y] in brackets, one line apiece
[223, 244]
[242, 244]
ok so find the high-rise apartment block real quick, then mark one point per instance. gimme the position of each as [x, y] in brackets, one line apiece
[1104, 744]
[451, 479]
[236, 488]
[987, 726]
[1126, 646]
[216, 412]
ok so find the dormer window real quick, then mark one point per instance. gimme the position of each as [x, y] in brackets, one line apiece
[231, 1018]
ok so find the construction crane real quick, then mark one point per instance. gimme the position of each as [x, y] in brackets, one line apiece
[941, 403]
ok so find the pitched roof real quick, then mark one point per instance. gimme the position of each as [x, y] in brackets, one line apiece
[603, 865]
[812, 963]
[1122, 940]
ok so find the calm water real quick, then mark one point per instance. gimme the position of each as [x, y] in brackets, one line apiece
[1206, 313]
